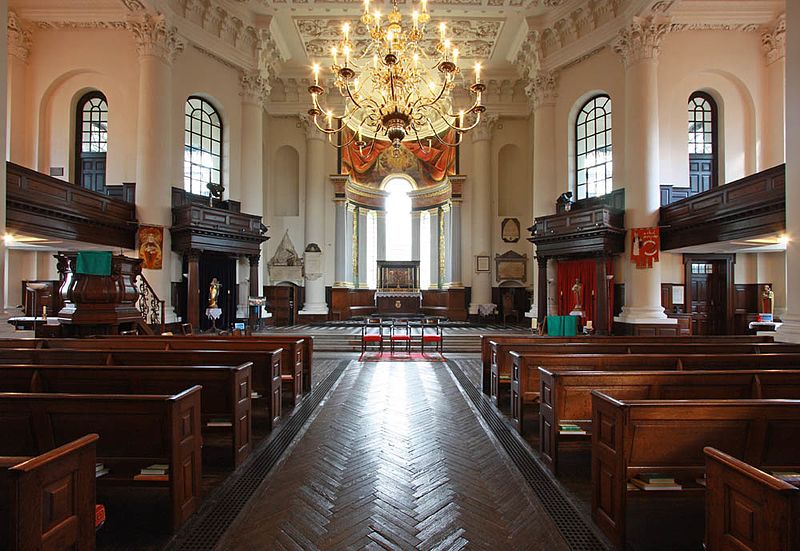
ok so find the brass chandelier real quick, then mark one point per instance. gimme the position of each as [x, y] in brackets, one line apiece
[393, 88]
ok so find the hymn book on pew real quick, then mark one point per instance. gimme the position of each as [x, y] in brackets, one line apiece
[156, 471]
[100, 469]
[570, 428]
[655, 481]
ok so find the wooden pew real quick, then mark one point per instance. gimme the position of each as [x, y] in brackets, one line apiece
[64, 479]
[566, 395]
[486, 353]
[632, 437]
[225, 395]
[135, 431]
[293, 350]
[265, 371]
[748, 509]
[525, 374]
[502, 363]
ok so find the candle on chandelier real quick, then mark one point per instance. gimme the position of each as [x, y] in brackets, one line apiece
[415, 18]
[374, 61]
[416, 60]
[455, 56]
[377, 19]
[330, 119]
[446, 44]
[424, 6]
[461, 119]
[366, 6]
[477, 73]
[442, 30]
[346, 56]
[316, 74]
[334, 53]
[346, 31]
[390, 39]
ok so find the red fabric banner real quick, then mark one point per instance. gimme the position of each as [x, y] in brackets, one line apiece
[584, 271]
[645, 243]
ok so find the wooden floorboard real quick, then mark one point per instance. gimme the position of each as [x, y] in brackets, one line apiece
[395, 459]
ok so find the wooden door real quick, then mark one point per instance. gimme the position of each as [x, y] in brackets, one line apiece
[92, 172]
[699, 293]
[701, 173]
[709, 292]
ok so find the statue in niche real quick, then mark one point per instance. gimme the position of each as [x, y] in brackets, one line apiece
[213, 293]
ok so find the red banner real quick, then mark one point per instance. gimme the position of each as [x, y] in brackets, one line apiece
[645, 243]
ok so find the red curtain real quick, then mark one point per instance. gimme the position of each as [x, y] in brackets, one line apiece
[584, 271]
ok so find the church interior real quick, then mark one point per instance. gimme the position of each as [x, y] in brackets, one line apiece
[458, 274]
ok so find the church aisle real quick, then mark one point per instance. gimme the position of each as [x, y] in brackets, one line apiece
[395, 459]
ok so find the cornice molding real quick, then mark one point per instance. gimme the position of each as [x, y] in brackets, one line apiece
[19, 38]
[155, 36]
[641, 39]
[773, 40]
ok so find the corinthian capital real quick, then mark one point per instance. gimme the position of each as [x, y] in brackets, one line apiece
[641, 39]
[543, 89]
[156, 37]
[310, 129]
[255, 87]
[484, 130]
[19, 38]
[773, 40]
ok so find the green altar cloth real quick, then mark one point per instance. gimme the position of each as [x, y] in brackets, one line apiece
[93, 263]
[562, 326]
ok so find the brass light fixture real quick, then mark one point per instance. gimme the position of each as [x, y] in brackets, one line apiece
[393, 89]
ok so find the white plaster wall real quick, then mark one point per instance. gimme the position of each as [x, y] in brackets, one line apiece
[672, 270]
[772, 269]
[746, 268]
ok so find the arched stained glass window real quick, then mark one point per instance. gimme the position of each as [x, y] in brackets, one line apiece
[92, 141]
[702, 142]
[202, 157]
[593, 159]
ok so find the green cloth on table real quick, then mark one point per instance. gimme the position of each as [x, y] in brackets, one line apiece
[562, 326]
[93, 263]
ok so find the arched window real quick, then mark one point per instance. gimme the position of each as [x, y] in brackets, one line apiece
[398, 219]
[91, 136]
[202, 139]
[702, 142]
[593, 160]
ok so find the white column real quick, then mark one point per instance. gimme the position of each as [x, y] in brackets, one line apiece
[482, 210]
[790, 330]
[254, 89]
[19, 48]
[415, 222]
[3, 108]
[362, 248]
[774, 43]
[455, 244]
[157, 43]
[638, 44]
[314, 218]
[434, 246]
[543, 93]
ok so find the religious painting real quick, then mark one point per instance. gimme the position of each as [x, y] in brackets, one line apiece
[151, 243]
[644, 246]
[509, 230]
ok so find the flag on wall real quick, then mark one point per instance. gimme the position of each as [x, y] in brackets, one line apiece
[645, 243]
[151, 241]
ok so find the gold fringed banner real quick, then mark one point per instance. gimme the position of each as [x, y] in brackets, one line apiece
[645, 243]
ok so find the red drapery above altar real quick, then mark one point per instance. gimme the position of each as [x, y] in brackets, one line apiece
[586, 272]
[427, 165]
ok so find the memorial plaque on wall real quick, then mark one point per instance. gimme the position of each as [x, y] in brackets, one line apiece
[511, 266]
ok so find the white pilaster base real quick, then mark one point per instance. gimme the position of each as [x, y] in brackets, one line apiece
[473, 308]
[642, 315]
[314, 309]
[789, 331]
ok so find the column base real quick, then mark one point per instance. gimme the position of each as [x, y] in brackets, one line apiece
[314, 310]
[643, 315]
[473, 308]
[789, 331]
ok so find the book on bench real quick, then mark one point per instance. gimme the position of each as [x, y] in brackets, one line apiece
[570, 428]
[656, 482]
[156, 471]
[219, 423]
[100, 469]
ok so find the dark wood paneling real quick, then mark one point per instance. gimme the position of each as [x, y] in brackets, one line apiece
[44, 206]
[752, 206]
[579, 232]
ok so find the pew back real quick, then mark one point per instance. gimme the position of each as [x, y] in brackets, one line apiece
[135, 431]
[632, 437]
[64, 479]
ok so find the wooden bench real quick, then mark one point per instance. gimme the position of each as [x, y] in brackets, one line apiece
[566, 396]
[47, 502]
[486, 352]
[225, 400]
[265, 371]
[748, 509]
[526, 369]
[632, 437]
[502, 363]
[135, 431]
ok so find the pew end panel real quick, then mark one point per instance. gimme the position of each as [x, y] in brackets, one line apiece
[186, 458]
[52, 504]
[748, 509]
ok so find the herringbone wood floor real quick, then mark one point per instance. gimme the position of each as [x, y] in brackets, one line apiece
[396, 459]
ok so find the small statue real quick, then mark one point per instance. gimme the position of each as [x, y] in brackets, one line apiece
[213, 293]
[767, 300]
[577, 288]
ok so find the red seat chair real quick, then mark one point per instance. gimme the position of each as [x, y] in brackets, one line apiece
[401, 334]
[432, 334]
[372, 334]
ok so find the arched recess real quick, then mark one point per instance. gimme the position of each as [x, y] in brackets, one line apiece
[513, 184]
[286, 177]
[55, 121]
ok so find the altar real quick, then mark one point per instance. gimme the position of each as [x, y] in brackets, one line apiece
[398, 291]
